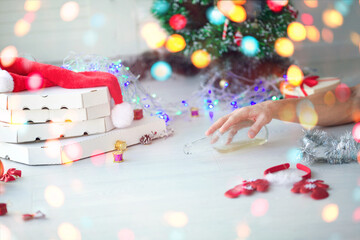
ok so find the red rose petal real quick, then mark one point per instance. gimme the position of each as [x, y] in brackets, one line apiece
[319, 193]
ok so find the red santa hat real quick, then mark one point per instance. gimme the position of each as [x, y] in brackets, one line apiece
[15, 78]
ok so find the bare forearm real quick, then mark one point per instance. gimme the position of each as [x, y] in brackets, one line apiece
[329, 113]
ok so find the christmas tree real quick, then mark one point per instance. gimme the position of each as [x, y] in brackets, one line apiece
[237, 36]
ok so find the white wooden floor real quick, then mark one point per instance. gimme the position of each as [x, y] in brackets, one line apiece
[161, 193]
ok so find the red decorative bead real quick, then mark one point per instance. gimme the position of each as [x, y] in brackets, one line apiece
[178, 22]
[138, 114]
[274, 6]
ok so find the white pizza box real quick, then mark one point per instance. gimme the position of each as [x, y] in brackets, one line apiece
[54, 98]
[68, 150]
[20, 133]
[58, 115]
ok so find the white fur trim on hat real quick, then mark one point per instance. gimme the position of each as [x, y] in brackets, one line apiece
[6, 82]
[122, 115]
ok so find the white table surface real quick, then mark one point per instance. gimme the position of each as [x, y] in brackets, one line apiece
[161, 193]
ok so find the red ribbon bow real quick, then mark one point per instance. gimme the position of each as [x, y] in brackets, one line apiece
[309, 81]
[11, 175]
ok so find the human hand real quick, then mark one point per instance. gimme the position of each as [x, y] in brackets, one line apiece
[259, 114]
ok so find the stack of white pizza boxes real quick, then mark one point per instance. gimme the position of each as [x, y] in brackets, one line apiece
[57, 125]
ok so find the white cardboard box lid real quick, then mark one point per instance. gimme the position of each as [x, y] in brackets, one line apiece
[55, 98]
[67, 150]
[58, 115]
[21, 133]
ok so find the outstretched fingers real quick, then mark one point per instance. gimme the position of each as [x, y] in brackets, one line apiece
[216, 125]
[256, 127]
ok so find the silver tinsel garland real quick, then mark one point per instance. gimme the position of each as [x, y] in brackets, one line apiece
[319, 146]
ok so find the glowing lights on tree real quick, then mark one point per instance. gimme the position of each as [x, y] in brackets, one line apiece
[249, 46]
[175, 43]
[160, 7]
[284, 47]
[201, 58]
[154, 36]
[237, 14]
[215, 16]
[178, 22]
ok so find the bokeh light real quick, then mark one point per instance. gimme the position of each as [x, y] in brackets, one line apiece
[176, 219]
[69, 11]
[98, 158]
[296, 31]
[200, 58]
[276, 5]
[239, 2]
[330, 213]
[287, 113]
[332, 18]
[259, 207]
[357, 157]
[126, 234]
[312, 33]
[178, 21]
[214, 16]
[161, 71]
[52, 148]
[54, 196]
[329, 98]
[237, 14]
[356, 132]
[356, 194]
[249, 46]
[284, 47]
[5, 233]
[8, 56]
[342, 92]
[175, 43]
[72, 152]
[98, 20]
[67, 231]
[356, 215]
[225, 6]
[342, 7]
[311, 3]
[154, 35]
[29, 17]
[32, 5]
[21, 28]
[307, 115]
[34, 82]
[243, 231]
[307, 19]
[327, 35]
[294, 75]
[355, 38]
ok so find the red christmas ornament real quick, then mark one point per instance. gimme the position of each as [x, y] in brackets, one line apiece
[238, 38]
[274, 6]
[178, 21]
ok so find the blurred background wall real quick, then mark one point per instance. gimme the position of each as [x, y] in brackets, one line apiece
[49, 31]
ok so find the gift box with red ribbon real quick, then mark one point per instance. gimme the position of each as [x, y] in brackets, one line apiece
[309, 86]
